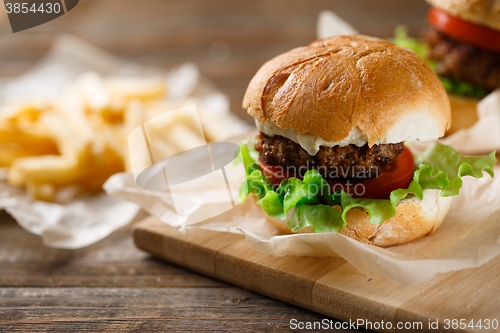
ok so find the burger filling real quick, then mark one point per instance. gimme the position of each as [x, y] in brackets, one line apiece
[349, 162]
[462, 61]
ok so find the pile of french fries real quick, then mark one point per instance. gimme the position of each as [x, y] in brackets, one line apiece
[58, 149]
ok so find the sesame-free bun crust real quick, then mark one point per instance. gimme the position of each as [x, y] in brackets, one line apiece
[337, 84]
[414, 219]
[482, 12]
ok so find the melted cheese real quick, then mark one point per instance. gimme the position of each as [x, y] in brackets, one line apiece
[309, 141]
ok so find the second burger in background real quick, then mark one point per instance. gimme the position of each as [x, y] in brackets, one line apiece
[464, 42]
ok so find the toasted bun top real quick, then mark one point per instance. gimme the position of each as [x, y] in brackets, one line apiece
[482, 12]
[338, 84]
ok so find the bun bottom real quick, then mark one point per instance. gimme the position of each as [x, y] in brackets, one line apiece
[414, 219]
[463, 112]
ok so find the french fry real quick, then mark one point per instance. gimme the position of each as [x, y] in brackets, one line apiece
[10, 152]
[45, 192]
[18, 121]
[59, 170]
[136, 88]
[212, 127]
[172, 133]
[101, 167]
[26, 139]
[59, 148]
[21, 135]
[93, 89]
[97, 99]
[30, 110]
[54, 169]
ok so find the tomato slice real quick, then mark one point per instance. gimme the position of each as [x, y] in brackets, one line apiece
[468, 32]
[397, 174]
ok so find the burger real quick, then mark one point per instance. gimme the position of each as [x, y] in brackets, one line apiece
[464, 40]
[463, 46]
[335, 119]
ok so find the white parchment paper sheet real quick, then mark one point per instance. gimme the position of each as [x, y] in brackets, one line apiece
[89, 219]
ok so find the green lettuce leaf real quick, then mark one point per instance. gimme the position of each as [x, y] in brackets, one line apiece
[323, 218]
[442, 168]
[313, 190]
[439, 167]
[379, 210]
[255, 181]
[401, 38]
[272, 203]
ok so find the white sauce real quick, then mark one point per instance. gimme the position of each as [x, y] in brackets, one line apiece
[309, 141]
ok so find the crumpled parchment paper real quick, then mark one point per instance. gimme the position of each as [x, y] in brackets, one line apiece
[88, 219]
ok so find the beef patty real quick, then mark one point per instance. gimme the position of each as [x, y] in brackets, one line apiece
[348, 162]
[463, 62]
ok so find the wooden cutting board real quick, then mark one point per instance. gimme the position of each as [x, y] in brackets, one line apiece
[330, 286]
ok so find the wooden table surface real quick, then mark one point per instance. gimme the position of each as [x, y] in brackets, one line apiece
[112, 286]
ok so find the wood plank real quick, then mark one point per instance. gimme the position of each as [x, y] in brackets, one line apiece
[89, 303]
[103, 309]
[25, 262]
[159, 325]
[127, 273]
[329, 286]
